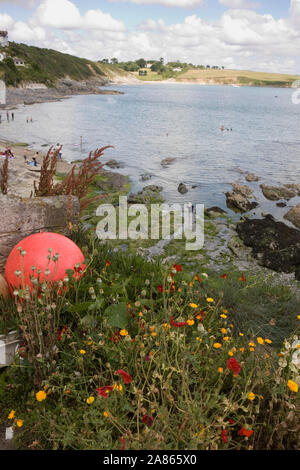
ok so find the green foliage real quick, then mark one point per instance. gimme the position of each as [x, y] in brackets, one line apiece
[44, 65]
[161, 325]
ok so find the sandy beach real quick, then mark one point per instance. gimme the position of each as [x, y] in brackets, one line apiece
[21, 176]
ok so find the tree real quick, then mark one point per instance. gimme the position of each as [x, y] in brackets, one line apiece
[157, 67]
[141, 63]
[161, 60]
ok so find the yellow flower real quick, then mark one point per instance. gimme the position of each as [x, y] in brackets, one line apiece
[225, 311]
[153, 333]
[19, 423]
[224, 331]
[141, 314]
[217, 345]
[268, 341]
[193, 305]
[166, 326]
[251, 396]
[298, 317]
[230, 353]
[11, 414]
[293, 386]
[223, 316]
[90, 400]
[242, 350]
[190, 322]
[106, 414]
[226, 338]
[191, 284]
[123, 332]
[41, 395]
[220, 370]
[260, 341]
[251, 349]
[209, 300]
[82, 351]
[252, 345]
[241, 334]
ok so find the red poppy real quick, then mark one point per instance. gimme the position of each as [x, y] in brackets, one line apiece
[61, 332]
[116, 337]
[230, 421]
[104, 391]
[178, 325]
[123, 443]
[178, 267]
[160, 288]
[232, 364]
[197, 278]
[224, 436]
[108, 263]
[224, 276]
[126, 377]
[79, 272]
[242, 278]
[245, 432]
[148, 420]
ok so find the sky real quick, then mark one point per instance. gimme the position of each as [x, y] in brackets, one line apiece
[262, 35]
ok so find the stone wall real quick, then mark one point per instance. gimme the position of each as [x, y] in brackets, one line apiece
[21, 217]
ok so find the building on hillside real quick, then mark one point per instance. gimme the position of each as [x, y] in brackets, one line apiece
[149, 65]
[177, 69]
[2, 93]
[2, 56]
[19, 62]
[3, 38]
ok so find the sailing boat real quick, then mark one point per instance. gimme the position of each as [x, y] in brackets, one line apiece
[236, 86]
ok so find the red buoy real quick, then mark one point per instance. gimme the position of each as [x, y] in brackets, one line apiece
[34, 251]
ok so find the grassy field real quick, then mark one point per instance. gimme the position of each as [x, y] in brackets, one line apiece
[226, 77]
[240, 77]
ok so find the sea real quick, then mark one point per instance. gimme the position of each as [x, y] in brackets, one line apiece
[152, 122]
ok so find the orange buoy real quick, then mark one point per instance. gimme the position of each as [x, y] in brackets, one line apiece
[30, 259]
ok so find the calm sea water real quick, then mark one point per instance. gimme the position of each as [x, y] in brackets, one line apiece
[152, 122]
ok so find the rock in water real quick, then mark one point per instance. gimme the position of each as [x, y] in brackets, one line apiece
[274, 193]
[238, 199]
[182, 189]
[168, 161]
[251, 177]
[294, 216]
[276, 245]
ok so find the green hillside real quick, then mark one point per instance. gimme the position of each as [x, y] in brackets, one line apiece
[45, 66]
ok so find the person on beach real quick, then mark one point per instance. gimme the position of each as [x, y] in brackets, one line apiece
[58, 149]
[33, 162]
[12, 116]
[7, 116]
[25, 155]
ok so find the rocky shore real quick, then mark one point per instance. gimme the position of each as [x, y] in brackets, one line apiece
[64, 88]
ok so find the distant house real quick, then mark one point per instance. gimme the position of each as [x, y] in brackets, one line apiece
[149, 65]
[19, 62]
[2, 56]
[3, 38]
[177, 69]
[143, 73]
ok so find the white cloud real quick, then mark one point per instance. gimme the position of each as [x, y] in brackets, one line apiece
[96, 19]
[23, 3]
[61, 14]
[6, 21]
[240, 4]
[295, 11]
[166, 3]
[241, 38]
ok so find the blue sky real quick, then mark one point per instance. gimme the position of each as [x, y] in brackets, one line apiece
[245, 34]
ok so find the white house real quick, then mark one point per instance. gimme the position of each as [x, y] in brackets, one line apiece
[3, 38]
[177, 69]
[2, 93]
[19, 62]
[149, 65]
